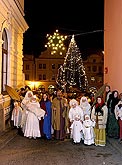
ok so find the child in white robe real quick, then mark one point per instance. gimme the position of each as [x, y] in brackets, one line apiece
[76, 129]
[16, 115]
[88, 130]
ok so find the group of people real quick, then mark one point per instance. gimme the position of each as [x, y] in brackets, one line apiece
[113, 100]
[61, 116]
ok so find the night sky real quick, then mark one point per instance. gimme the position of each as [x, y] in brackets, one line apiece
[84, 19]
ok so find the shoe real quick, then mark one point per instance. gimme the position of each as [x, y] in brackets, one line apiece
[34, 138]
[120, 141]
[30, 137]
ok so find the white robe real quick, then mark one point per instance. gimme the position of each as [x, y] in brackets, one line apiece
[88, 132]
[17, 116]
[24, 103]
[76, 128]
[34, 113]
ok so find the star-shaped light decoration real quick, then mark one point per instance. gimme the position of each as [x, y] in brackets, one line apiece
[55, 42]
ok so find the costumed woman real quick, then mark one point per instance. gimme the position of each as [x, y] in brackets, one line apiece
[24, 103]
[34, 114]
[112, 124]
[46, 123]
[85, 105]
[99, 114]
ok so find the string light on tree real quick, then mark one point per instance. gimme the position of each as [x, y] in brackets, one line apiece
[55, 43]
[72, 72]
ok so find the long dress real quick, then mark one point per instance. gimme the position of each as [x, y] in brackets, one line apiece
[112, 123]
[76, 125]
[76, 128]
[24, 103]
[16, 115]
[46, 105]
[58, 118]
[100, 114]
[88, 131]
[34, 114]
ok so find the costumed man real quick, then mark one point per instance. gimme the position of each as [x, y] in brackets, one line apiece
[58, 117]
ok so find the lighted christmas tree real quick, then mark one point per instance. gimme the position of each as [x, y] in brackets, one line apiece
[72, 72]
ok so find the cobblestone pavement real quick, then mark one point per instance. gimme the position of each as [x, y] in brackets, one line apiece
[18, 150]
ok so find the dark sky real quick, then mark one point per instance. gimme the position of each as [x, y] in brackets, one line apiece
[84, 19]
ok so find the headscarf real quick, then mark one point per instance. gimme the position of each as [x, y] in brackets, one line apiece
[26, 95]
[73, 101]
[26, 99]
[98, 106]
[84, 104]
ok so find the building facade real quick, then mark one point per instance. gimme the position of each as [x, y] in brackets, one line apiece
[12, 27]
[43, 70]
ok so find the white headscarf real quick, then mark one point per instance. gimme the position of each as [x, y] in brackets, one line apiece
[26, 99]
[72, 102]
[26, 95]
[84, 104]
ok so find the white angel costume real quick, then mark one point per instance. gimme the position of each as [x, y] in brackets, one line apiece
[76, 118]
[88, 130]
[34, 114]
[16, 115]
[84, 104]
[24, 103]
[76, 128]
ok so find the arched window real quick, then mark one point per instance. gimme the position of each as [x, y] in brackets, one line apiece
[4, 60]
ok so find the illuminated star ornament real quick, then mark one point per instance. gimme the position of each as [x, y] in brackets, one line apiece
[55, 43]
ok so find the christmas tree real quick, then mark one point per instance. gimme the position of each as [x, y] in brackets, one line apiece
[72, 72]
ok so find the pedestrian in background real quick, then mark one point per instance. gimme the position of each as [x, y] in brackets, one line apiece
[112, 124]
[107, 93]
[99, 114]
